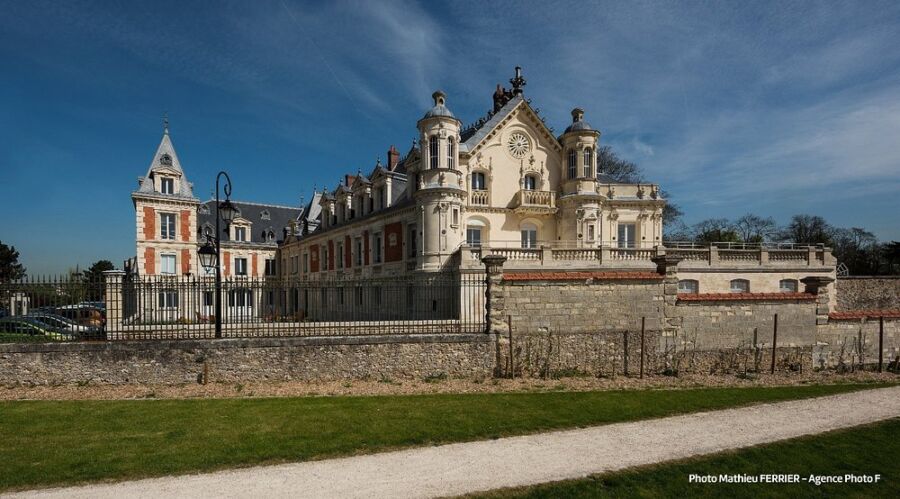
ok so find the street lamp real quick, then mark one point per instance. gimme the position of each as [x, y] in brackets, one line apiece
[211, 253]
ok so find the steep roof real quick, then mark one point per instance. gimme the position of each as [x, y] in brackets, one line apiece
[263, 217]
[164, 159]
[473, 135]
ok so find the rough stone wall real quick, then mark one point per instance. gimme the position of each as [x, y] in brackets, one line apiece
[583, 306]
[713, 325]
[844, 344]
[189, 361]
[868, 293]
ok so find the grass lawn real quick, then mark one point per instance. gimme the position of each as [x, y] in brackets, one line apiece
[63, 442]
[865, 450]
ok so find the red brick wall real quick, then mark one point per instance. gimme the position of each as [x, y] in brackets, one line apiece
[253, 271]
[348, 252]
[393, 233]
[330, 255]
[226, 263]
[185, 225]
[185, 261]
[149, 260]
[365, 247]
[314, 259]
[149, 223]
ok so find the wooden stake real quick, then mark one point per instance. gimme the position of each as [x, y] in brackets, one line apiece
[880, 342]
[774, 342]
[643, 323]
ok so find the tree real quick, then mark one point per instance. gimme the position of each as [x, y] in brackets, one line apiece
[10, 268]
[715, 230]
[807, 229]
[858, 249]
[621, 170]
[754, 229]
[94, 273]
[891, 254]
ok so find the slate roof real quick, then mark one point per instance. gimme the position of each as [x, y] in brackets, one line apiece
[473, 135]
[165, 158]
[279, 219]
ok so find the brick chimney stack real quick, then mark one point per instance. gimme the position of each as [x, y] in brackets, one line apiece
[393, 157]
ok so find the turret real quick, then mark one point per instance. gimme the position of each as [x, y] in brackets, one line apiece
[579, 161]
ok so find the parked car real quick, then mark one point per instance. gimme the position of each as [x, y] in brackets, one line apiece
[62, 323]
[30, 326]
[83, 314]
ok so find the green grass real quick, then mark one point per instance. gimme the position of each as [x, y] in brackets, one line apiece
[866, 450]
[63, 442]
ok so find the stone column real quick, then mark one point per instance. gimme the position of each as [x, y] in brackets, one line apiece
[495, 305]
[818, 285]
[667, 266]
[113, 281]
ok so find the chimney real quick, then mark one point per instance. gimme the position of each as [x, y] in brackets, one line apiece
[393, 157]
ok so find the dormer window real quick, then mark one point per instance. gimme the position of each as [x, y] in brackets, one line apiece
[203, 209]
[265, 215]
[167, 185]
[165, 160]
[240, 233]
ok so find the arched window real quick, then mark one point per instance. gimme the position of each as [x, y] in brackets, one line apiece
[433, 150]
[530, 183]
[740, 286]
[588, 161]
[787, 285]
[529, 235]
[451, 153]
[573, 164]
[478, 183]
[689, 286]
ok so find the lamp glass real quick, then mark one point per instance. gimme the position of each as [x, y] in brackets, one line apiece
[208, 257]
[227, 211]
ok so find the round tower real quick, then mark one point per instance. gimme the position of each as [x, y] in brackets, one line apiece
[580, 201]
[437, 186]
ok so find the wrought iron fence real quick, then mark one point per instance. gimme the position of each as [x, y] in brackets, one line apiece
[183, 307]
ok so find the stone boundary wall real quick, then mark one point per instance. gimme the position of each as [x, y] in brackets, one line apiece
[843, 343]
[710, 325]
[256, 359]
[868, 293]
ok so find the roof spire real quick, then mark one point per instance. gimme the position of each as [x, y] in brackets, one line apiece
[166, 123]
[518, 82]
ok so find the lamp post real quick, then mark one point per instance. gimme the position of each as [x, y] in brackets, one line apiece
[211, 256]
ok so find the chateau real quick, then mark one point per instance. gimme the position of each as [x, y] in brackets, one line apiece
[506, 185]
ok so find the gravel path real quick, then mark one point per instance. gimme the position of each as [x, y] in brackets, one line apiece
[476, 466]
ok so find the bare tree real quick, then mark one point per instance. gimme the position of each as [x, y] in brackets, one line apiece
[755, 229]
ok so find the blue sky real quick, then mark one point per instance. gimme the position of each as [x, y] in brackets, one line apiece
[733, 107]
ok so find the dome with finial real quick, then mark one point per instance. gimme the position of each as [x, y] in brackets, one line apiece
[440, 108]
[578, 123]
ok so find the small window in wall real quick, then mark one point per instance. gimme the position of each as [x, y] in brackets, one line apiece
[573, 164]
[240, 266]
[167, 185]
[591, 232]
[787, 285]
[167, 226]
[167, 264]
[473, 236]
[626, 235]
[529, 236]
[270, 267]
[740, 286]
[454, 217]
[294, 264]
[478, 183]
[689, 286]
[530, 183]
[376, 251]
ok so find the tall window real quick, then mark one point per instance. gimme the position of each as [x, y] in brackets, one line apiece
[478, 183]
[167, 264]
[412, 249]
[433, 150]
[242, 297]
[591, 232]
[305, 263]
[376, 251]
[240, 233]
[167, 185]
[168, 298]
[573, 164]
[270, 266]
[626, 235]
[294, 264]
[340, 255]
[473, 236]
[451, 153]
[740, 286]
[240, 266]
[325, 258]
[689, 286]
[359, 251]
[787, 285]
[530, 183]
[588, 161]
[167, 226]
[529, 236]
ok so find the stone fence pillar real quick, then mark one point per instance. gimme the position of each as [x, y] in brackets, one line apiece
[495, 305]
[112, 283]
[667, 266]
[818, 285]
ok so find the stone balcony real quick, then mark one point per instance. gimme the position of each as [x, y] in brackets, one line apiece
[565, 255]
[480, 198]
[528, 202]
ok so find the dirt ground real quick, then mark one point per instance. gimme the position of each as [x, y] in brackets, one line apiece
[421, 386]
